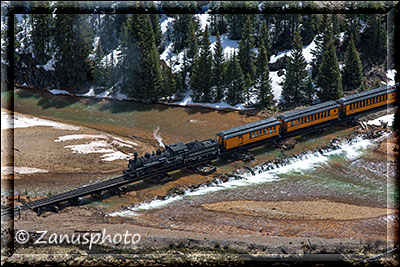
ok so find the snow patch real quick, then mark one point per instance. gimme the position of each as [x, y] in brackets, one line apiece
[79, 136]
[92, 147]
[188, 101]
[203, 20]
[59, 92]
[49, 66]
[99, 146]
[165, 23]
[21, 121]
[276, 81]
[387, 119]
[115, 156]
[390, 76]
[21, 170]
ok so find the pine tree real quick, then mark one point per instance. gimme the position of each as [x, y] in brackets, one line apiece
[264, 38]
[100, 73]
[328, 78]
[218, 69]
[147, 76]
[192, 42]
[235, 81]
[42, 32]
[235, 24]
[245, 48]
[155, 23]
[72, 38]
[180, 85]
[169, 84]
[263, 82]
[320, 41]
[352, 71]
[352, 27]
[309, 90]
[201, 71]
[183, 26]
[296, 73]
[374, 40]
[363, 86]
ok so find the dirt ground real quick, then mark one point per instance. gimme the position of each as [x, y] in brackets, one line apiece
[311, 210]
[25, 143]
[67, 170]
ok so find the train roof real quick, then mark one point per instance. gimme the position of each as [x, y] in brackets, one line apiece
[243, 129]
[177, 147]
[308, 111]
[366, 95]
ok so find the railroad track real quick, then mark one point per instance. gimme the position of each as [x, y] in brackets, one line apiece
[75, 194]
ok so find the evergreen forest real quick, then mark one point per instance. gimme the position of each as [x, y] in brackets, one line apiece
[232, 57]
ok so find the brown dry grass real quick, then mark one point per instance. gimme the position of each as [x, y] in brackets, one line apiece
[318, 209]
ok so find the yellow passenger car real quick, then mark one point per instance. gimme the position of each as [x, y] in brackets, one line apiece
[309, 116]
[367, 100]
[249, 133]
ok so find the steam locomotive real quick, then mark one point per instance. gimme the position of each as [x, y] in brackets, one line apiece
[180, 155]
[173, 157]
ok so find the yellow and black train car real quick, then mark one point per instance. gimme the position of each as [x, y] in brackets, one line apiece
[248, 133]
[367, 100]
[309, 116]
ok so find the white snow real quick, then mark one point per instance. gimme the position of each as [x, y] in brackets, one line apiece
[188, 101]
[203, 20]
[21, 170]
[112, 58]
[171, 58]
[21, 121]
[276, 84]
[49, 65]
[103, 146]
[390, 76]
[165, 23]
[124, 141]
[92, 147]
[115, 155]
[306, 53]
[387, 119]
[229, 46]
[111, 93]
[79, 136]
[59, 92]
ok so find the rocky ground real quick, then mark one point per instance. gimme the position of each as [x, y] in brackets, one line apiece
[162, 246]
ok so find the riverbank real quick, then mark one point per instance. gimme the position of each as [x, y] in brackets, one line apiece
[190, 229]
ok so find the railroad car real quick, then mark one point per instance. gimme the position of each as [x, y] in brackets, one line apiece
[367, 100]
[248, 133]
[306, 117]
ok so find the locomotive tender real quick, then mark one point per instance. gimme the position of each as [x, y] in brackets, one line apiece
[180, 155]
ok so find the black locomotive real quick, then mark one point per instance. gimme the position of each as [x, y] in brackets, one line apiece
[174, 157]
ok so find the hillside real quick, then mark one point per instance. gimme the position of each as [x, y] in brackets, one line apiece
[166, 58]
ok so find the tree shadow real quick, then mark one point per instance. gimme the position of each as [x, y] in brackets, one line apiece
[127, 106]
[59, 102]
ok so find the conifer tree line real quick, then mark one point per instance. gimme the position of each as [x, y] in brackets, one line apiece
[122, 53]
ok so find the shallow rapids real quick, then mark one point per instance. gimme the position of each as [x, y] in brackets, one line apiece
[304, 165]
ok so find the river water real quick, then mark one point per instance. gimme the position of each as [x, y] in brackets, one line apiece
[129, 118]
[355, 173]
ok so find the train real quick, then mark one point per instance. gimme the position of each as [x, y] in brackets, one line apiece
[180, 155]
